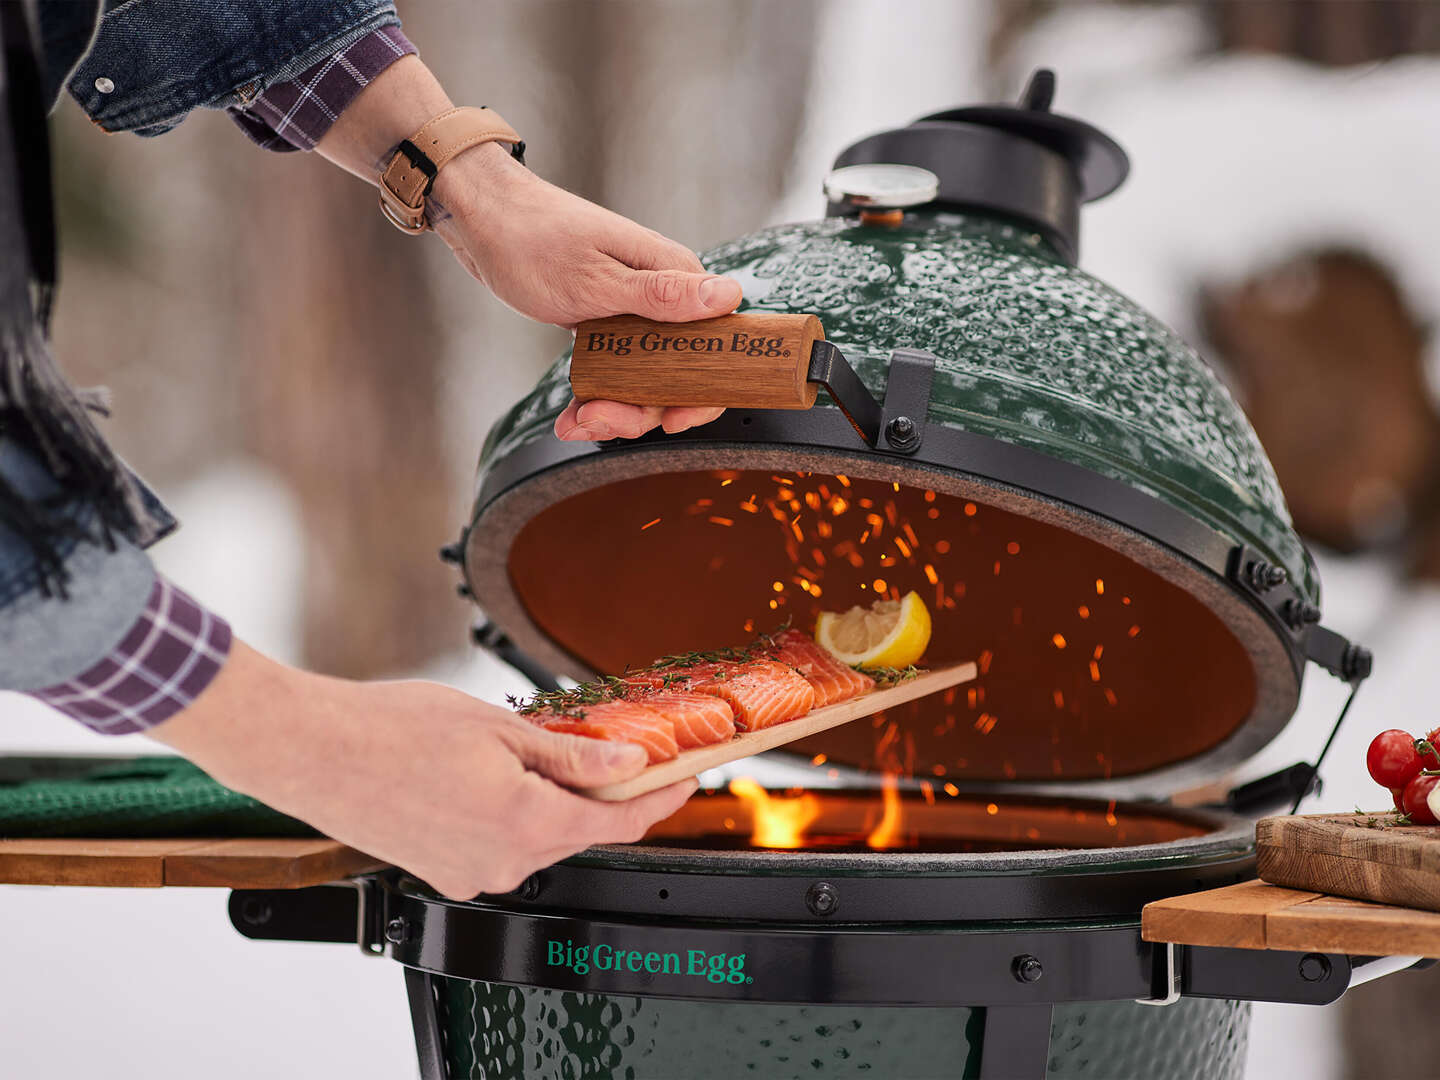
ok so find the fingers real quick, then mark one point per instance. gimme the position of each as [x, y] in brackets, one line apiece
[613, 420]
[605, 420]
[594, 822]
[578, 761]
[674, 295]
[645, 249]
[680, 418]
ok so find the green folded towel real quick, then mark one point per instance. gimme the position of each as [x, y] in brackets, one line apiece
[128, 797]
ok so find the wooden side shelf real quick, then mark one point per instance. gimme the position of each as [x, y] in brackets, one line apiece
[235, 863]
[1255, 915]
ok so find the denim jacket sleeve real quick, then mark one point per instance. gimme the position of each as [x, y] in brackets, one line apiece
[152, 61]
[45, 640]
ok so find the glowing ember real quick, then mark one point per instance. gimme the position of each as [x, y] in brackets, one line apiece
[647, 525]
[887, 832]
[779, 821]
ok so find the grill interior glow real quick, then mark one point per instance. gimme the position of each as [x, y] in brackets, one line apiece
[848, 821]
[1091, 665]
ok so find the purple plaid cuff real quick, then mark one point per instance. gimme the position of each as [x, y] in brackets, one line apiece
[171, 653]
[296, 114]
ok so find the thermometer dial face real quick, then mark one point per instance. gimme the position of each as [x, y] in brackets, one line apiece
[882, 186]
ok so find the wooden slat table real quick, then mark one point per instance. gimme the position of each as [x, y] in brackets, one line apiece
[1255, 915]
[234, 863]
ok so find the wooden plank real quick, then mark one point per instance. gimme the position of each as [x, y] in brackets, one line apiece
[691, 762]
[1257, 915]
[1356, 855]
[1235, 916]
[1336, 924]
[239, 863]
[267, 863]
[124, 863]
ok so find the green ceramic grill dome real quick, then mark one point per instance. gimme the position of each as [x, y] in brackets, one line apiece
[1095, 440]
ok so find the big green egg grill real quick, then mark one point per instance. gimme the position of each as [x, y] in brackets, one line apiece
[1088, 515]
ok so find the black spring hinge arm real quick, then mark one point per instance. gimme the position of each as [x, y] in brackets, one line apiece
[897, 426]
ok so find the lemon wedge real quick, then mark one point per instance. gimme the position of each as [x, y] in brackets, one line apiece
[889, 633]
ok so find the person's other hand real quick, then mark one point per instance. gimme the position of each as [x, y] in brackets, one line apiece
[464, 795]
[557, 258]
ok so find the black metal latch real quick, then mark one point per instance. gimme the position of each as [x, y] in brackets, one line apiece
[897, 426]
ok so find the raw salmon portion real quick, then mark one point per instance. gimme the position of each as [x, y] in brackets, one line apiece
[832, 680]
[762, 693]
[699, 719]
[678, 678]
[619, 721]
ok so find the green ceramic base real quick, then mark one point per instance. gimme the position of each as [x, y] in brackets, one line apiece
[495, 1032]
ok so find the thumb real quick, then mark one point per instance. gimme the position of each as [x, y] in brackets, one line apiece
[580, 761]
[676, 295]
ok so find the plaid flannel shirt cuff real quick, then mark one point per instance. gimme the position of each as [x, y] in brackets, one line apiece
[171, 653]
[295, 114]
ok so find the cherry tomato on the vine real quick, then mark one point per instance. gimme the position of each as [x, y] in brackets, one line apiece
[1416, 800]
[1392, 759]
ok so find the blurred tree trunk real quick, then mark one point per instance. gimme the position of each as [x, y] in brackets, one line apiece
[1338, 32]
[344, 354]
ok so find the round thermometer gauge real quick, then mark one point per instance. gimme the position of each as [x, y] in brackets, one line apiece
[882, 186]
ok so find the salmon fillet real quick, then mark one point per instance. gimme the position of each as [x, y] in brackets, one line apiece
[832, 680]
[762, 693]
[699, 719]
[619, 721]
[677, 678]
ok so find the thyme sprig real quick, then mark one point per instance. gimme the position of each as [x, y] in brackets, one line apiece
[1374, 820]
[566, 702]
[886, 677]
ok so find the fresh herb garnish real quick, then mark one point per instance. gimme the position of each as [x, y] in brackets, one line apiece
[886, 677]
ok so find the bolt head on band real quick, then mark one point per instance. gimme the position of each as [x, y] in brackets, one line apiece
[410, 173]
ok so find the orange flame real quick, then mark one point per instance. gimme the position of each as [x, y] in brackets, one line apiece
[887, 832]
[778, 822]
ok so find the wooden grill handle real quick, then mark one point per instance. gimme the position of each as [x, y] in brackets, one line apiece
[758, 360]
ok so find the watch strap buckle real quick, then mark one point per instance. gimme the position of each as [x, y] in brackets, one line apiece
[410, 174]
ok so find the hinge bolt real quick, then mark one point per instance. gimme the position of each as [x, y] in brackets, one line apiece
[255, 911]
[451, 553]
[1314, 967]
[1299, 613]
[1264, 576]
[1027, 969]
[396, 930]
[1357, 663]
[529, 888]
[902, 433]
[822, 898]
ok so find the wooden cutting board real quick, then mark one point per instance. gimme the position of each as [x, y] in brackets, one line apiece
[1358, 855]
[691, 762]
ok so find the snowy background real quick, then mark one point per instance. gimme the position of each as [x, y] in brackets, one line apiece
[1235, 158]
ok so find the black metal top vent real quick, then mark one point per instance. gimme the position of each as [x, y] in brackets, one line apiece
[1020, 160]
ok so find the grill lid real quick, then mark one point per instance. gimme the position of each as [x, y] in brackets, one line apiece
[1080, 501]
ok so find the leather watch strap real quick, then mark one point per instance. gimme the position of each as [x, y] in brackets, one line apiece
[411, 173]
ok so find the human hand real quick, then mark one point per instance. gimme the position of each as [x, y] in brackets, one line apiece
[464, 795]
[557, 258]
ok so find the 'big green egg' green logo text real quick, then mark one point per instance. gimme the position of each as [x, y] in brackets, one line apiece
[695, 963]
